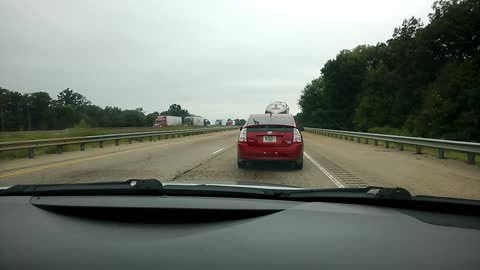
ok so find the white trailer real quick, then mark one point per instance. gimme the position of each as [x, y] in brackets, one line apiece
[198, 121]
[194, 121]
[166, 120]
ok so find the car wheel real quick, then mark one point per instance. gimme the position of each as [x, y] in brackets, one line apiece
[241, 164]
[298, 165]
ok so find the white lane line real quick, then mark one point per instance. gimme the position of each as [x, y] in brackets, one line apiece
[334, 180]
[217, 151]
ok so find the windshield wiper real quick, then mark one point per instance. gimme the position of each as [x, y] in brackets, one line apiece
[370, 192]
[136, 187]
[132, 186]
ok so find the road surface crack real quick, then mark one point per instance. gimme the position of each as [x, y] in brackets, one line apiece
[179, 175]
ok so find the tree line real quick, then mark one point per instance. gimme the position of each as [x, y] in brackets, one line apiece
[424, 81]
[38, 111]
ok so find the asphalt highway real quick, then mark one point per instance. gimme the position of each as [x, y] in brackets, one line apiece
[211, 158]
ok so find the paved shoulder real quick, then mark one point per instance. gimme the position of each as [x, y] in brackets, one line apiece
[421, 174]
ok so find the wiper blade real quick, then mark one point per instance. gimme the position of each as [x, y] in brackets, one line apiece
[372, 192]
[132, 186]
[136, 187]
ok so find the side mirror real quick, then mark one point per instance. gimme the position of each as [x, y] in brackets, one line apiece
[300, 128]
[241, 128]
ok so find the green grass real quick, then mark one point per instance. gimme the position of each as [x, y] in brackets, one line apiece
[73, 132]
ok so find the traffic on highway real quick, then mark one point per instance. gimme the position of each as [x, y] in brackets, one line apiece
[281, 134]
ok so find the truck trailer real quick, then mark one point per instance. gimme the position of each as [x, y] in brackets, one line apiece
[167, 120]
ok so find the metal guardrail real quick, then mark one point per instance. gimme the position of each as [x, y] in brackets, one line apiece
[59, 143]
[469, 148]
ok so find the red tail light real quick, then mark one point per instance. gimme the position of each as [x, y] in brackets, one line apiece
[243, 135]
[297, 137]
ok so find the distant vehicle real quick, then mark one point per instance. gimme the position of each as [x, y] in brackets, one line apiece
[220, 122]
[167, 120]
[194, 121]
[277, 107]
[206, 122]
[270, 137]
[229, 122]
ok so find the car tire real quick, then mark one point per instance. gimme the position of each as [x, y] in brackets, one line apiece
[241, 164]
[298, 165]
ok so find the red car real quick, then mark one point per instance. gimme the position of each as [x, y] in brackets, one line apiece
[270, 137]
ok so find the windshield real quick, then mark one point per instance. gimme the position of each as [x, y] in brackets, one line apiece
[270, 119]
[297, 94]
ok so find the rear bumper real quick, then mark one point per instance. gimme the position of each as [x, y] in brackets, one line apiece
[292, 152]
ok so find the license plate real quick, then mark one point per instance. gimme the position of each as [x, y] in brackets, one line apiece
[269, 139]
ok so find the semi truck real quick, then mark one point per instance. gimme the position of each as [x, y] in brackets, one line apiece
[277, 107]
[194, 121]
[167, 120]
[220, 122]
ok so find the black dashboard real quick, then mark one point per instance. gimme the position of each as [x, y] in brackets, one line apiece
[159, 232]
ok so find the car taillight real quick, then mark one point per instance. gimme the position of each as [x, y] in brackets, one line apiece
[243, 135]
[297, 137]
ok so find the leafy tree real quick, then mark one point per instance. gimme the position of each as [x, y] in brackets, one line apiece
[150, 118]
[176, 110]
[239, 122]
[69, 97]
[423, 81]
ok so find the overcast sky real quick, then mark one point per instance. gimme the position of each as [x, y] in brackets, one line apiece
[219, 59]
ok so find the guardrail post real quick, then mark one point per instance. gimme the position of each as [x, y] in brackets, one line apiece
[117, 142]
[387, 144]
[59, 149]
[82, 147]
[375, 142]
[100, 144]
[159, 137]
[129, 141]
[31, 152]
[150, 138]
[352, 138]
[441, 153]
[366, 141]
[358, 139]
[418, 149]
[471, 158]
[400, 146]
[141, 139]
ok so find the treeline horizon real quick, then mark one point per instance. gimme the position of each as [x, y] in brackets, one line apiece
[424, 81]
[39, 111]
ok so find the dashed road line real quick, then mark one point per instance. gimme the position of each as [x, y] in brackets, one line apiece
[219, 150]
[330, 176]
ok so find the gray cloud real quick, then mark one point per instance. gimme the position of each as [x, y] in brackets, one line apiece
[219, 59]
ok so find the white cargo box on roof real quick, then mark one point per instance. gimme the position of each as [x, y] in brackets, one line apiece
[277, 107]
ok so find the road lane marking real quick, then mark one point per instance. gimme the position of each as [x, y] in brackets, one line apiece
[331, 177]
[64, 163]
[217, 151]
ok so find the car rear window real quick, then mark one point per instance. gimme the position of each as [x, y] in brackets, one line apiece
[265, 128]
[270, 119]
